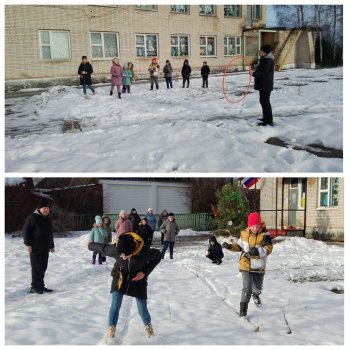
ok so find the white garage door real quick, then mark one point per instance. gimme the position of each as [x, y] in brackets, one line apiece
[143, 195]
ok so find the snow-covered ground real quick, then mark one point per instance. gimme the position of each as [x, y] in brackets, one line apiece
[179, 130]
[191, 300]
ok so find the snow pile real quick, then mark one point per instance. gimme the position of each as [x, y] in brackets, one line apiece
[191, 300]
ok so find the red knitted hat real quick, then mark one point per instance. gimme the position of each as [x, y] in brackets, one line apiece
[254, 219]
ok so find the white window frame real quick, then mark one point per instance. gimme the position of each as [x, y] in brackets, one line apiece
[329, 192]
[145, 44]
[180, 9]
[102, 45]
[238, 47]
[51, 31]
[204, 10]
[206, 45]
[178, 44]
[234, 15]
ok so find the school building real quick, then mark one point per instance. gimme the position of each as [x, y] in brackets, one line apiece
[44, 43]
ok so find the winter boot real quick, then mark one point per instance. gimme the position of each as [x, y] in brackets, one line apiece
[100, 261]
[219, 261]
[93, 262]
[149, 331]
[119, 95]
[257, 300]
[110, 93]
[243, 309]
[111, 331]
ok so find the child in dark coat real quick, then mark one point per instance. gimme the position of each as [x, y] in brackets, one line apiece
[85, 70]
[214, 253]
[205, 70]
[133, 265]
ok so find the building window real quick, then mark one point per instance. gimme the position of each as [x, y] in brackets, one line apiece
[146, 45]
[256, 12]
[207, 10]
[180, 8]
[232, 45]
[328, 192]
[180, 45]
[54, 45]
[104, 45]
[146, 7]
[233, 10]
[208, 46]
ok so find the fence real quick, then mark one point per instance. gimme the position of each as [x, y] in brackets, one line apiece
[197, 221]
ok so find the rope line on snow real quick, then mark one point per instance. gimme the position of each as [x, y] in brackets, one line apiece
[234, 60]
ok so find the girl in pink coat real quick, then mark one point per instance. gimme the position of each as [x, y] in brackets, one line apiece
[117, 76]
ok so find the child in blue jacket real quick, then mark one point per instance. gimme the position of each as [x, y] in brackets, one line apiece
[127, 76]
[97, 235]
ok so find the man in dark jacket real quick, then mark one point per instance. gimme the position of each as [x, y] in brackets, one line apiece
[38, 239]
[133, 265]
[263, 82]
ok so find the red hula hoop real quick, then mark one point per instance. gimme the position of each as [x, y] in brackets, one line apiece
[223, 82]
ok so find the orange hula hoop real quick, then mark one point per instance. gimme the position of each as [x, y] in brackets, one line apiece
[223, 82]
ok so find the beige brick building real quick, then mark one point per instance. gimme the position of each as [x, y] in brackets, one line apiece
[316, 204]
[44, 43]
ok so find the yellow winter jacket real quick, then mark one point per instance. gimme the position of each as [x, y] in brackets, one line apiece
[261, 241]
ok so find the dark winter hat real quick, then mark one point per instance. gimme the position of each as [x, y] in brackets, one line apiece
[254, 219]
[44, 203]
[266, 49]
[212, 238]
[144, 219]
[171, 214]
[83, 57]
[126, 245]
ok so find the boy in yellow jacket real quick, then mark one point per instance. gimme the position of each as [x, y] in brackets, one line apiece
[255, 245]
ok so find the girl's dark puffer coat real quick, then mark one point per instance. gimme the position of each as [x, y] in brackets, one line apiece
[142, 260]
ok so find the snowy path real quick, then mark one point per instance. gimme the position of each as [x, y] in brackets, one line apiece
[175, 130]
[191, 300]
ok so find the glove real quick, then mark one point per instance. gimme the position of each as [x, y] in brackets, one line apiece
[253, 251]
[226, 245]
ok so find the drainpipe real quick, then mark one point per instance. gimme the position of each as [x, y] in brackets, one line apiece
[305, 209]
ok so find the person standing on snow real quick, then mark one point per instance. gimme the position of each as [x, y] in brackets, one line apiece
[186, 72]
[145, 232]
[133, 265]
[85, 70]
[98, 235]
[151, 219]
[263, 82]
[154, 69]
[170, 229]
[214, 253]
[116, 77]
[162, 218]
[38, 239]
[135, 219]
[168, 74]
[205, 71]
[123, 224]
[255, 245]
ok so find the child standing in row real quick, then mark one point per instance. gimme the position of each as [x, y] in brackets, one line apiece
[205, 74]
[127, 75]
[97, 235]
[154, 72]
[117, 75]
[168, 74]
